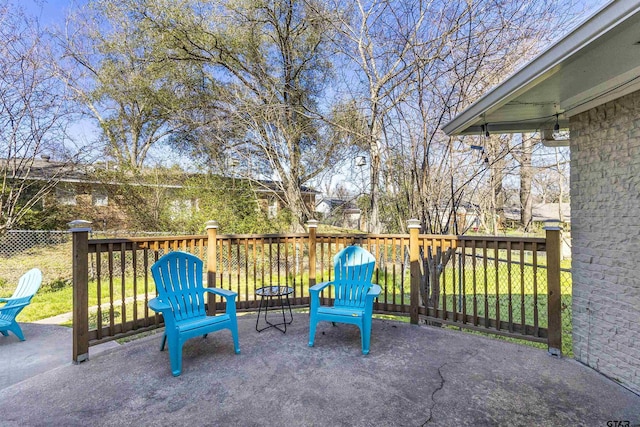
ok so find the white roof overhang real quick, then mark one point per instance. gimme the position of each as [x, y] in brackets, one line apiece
[595, 63]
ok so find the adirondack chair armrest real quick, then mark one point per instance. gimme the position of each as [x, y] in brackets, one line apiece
[222, 292]
[11, 299]
[229, 296]
[158, 305]
[14, 306]
[374, 291]
[314, 293]
[317, 288]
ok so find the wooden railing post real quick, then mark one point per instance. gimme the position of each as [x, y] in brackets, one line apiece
[554, 293]
[212, 259]
[414, 253]
[80, 263]
[312, 225]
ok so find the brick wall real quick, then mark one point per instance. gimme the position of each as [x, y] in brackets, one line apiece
[605, 210]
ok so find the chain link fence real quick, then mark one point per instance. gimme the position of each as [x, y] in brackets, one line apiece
[17, 242]
[22, 250]
[503, 274]
[48, 250]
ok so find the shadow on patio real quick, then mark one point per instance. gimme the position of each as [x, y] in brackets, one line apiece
[415, 375]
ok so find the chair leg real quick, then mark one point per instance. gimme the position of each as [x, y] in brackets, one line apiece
[365, 332]
[312, 330]
[236, 341]
[5, 333]
[15, 328]
[175, 356]
[164, 341]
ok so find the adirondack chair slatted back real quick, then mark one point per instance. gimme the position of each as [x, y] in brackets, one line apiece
[28, 285]
[353, 268]
[178, 278]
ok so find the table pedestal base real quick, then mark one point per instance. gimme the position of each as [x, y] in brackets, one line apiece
[267, 294]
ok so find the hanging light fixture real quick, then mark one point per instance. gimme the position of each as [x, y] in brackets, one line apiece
[556, 130]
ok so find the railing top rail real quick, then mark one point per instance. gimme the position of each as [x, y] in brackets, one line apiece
[364, 236]
[261, 236]
[439, 236]
[361, 236]
[503, 239]
[146, 239]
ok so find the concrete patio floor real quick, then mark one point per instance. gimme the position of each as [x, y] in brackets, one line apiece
[414, 375]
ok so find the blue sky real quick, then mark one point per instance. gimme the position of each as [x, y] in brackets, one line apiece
[49, 11]
[53, 11]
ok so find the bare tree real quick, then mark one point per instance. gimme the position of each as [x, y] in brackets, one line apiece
[33, 117]
[524, 160]
[551, 175]
[268, 63]
[136, 100]
[377, 40]
[466, 47]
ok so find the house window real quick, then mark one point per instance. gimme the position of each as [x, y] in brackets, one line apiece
[99, 198]
[66, 196]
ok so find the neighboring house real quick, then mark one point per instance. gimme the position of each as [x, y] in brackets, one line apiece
[79, 187]
[541, 212]
[589, 83]
[339, 212]
[467, 218]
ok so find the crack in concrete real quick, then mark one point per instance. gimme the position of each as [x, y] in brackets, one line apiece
[441, 386]
[437, 389]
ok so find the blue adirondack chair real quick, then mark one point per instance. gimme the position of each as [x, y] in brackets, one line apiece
[181, 300]
[353, 291]
[28, 285]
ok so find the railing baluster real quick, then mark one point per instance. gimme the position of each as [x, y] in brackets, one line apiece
[99, 290]
[485, 265]
[536, 325]
[255, 271]
[509, 287]
[463, 280]
[523, 307]
[146, 286]
[246, 269]
[111, 308]
[452, 261]
[134, 262]
[475, 285]
[123, 288]
[496, 253]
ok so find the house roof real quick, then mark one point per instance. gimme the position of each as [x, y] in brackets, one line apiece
[43, 170]
[595, 63]
[345, 206]
[46, 169]
[336, 203]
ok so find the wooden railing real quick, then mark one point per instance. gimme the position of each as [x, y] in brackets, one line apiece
[506, 286]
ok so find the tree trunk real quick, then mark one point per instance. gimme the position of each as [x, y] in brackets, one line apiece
[433, 267]
[526, 178]
[374, 211]
[296, 204]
